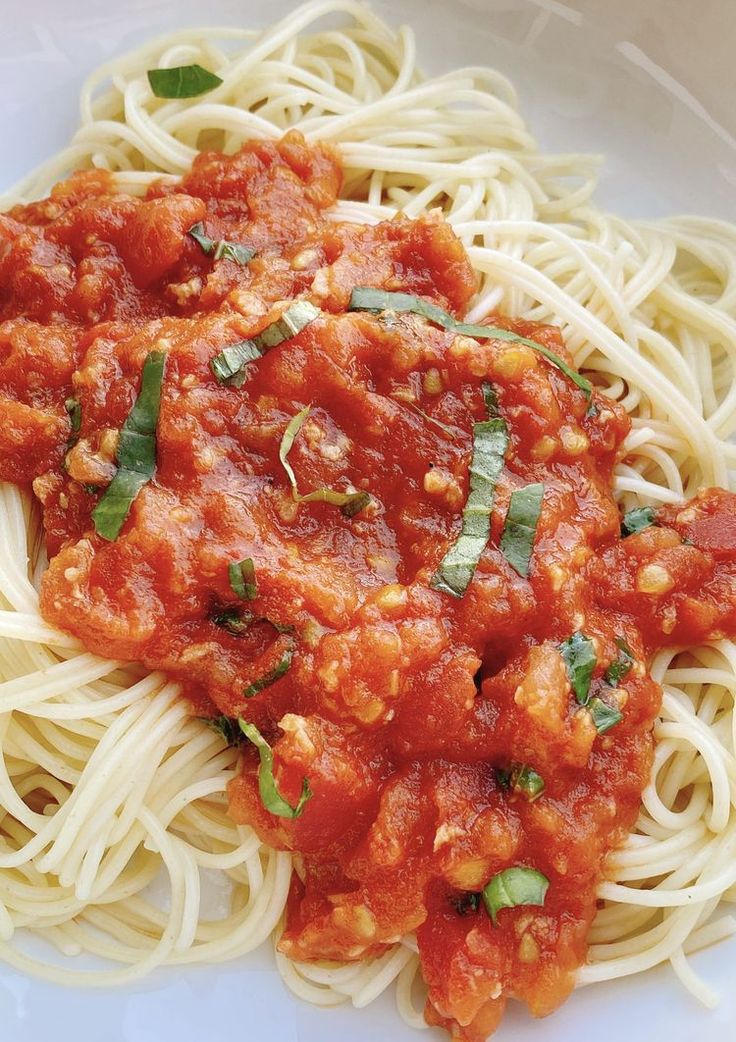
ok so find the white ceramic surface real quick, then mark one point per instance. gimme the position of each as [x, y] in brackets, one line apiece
[652, 84]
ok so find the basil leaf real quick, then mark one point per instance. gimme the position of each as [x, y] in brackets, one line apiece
[524, 779]
[514, 887]
[242, 576]
[520, 527]
[74, 409]
[467, 903]
[282, 666]
[221, 249]
[296, 318]
[621, 665]
[234, 620]
[226, 727]
[183, 81]
[490, 399]
[229, 365]
[350, 502]
[364, 298]
[457, 567]
[604, 715]
[271, 798]
[578, 654]
[136, 451]
[637, 520]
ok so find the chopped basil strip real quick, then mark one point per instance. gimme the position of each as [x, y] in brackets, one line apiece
[578, 654]
[74, 409]
[621, 665]
[136, 451]
[183, 81]
[242, 575]
[457, 567]
[467, 903]
[229, 365]
[520, 527]
[513, 887]
[525, 779]
[221, 249]
[350, 502]
[605, 716]
[234, 620]
[282, 666]
[296, 318]
[226, 727]
[271, 798]
[637, 520]
[364, 298]
[490, 399]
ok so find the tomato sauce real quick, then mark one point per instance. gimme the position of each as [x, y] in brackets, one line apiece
[402, 703]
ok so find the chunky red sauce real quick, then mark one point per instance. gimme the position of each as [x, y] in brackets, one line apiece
[402, 702]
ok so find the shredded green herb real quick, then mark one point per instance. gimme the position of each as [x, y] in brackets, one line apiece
[466, 903]
[350, 502]
[226, 727]
[520, 527]
[490, 443]
[74, 410]
[637, 520]
[234, 620]
[221, 249]
[271, 798]
[605, 716]
[282, 666]
[229, 366]
[514, 887]
[578, 654]
[242, 576]
[182, 81]
[136, 451]
[621, 664]
[364, 298]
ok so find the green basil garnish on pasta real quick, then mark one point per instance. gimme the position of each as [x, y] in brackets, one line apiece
[279, 670]
[520, 527]
[226, 727]
[350, 502]
[637, 520]
[229, 366]
[242, 576]
[457, 567]
[136, 453]
[74, 411]
[271, 798]
[621, 664]
[578, 654]
[467, 903]
[234, 620]
[364, 298]
[526, 780]
[514, 887]
[221, 249]
[182, 81]
[605, 716]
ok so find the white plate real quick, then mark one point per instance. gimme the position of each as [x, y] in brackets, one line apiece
[651, 83]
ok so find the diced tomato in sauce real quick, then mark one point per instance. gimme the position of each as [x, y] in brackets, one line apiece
[402, 704]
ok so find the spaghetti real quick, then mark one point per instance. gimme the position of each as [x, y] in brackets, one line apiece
[648, 311]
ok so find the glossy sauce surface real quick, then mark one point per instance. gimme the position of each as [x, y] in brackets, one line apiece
[402, 703]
